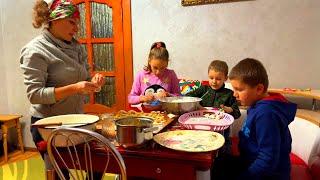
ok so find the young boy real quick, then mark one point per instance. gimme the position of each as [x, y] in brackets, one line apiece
[217, 96]
[265, 140]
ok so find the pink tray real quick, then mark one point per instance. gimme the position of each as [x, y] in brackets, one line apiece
[220, 125]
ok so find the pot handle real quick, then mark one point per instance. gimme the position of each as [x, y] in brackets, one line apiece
[151, 129]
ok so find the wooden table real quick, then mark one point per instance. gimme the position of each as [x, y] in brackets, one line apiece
[162, 163]
[9, 121]
[156, 162]
[313, 94]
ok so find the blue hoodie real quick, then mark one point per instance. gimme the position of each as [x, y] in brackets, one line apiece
[265, 139]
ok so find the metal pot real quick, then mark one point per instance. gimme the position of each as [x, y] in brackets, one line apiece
[180, 104]
[133, 131]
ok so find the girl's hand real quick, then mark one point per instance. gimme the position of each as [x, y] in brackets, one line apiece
[146, 99]
[226, 109]
[160, 95]
[99, 80]
[85, 87]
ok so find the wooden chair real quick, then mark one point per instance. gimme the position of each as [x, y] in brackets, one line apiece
[76, 155]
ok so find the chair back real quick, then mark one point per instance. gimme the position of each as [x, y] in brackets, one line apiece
[81, 161]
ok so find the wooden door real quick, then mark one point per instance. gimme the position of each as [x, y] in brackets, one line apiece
[105, 33]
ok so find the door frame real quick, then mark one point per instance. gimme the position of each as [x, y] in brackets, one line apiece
[127, 63]
[127, 48]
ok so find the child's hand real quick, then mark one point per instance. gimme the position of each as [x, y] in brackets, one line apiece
[226, 109]
[147, 98]
[161, 94]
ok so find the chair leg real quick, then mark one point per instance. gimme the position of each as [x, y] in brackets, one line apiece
[50, 173]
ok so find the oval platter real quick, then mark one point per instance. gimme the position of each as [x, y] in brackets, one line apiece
[190, 140]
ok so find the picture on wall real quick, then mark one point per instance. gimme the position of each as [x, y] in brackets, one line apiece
[200, 2]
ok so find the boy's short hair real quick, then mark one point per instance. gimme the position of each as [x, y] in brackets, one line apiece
[219, 66]
[251, 72]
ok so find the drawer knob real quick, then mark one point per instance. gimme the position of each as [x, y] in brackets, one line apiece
[158, 170]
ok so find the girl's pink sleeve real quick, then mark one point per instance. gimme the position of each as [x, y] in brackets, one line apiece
[175, 88]
[134, 95]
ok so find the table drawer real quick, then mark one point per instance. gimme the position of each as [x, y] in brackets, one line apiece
[159, 169]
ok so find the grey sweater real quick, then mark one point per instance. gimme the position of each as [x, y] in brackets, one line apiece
[47, 63]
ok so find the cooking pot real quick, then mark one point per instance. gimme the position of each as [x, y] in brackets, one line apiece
[134, 131]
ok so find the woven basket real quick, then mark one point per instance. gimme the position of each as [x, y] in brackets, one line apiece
[220, 125]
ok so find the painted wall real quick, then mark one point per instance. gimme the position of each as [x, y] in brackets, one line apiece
[3, 90]
[282, 34]
[16, 31]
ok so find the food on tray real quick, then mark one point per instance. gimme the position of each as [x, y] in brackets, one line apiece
[216, 116]
[107, 123]
[207, 118]
[157, 116]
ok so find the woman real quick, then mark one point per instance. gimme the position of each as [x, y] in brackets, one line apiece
[54, 65]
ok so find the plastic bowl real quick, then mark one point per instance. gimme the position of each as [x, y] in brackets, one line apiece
[205, 123]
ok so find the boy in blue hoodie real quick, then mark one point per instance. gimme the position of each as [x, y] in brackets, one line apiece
[265, 139]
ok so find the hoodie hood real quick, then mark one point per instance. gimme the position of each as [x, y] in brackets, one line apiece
[281, 105]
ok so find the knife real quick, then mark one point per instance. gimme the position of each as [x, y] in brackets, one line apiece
[56, 124]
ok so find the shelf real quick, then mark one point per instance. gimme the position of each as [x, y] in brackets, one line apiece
[309, 115]
[314, 94]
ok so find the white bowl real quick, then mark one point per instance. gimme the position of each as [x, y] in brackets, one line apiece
[83, 121]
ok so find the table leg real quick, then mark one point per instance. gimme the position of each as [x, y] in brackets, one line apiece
[5, 147]
[20, 136]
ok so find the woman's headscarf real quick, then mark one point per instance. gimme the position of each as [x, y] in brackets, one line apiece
[62, 9]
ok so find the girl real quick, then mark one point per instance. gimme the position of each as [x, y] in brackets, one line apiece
[155, 80]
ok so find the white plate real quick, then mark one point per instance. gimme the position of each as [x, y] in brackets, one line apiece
[69, 120]
[83, 121]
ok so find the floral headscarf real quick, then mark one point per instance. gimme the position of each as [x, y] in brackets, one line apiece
[62, 9]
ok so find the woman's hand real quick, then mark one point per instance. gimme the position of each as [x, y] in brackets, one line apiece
[85, 87]
[82, 87]
[99, 80]
[147, 99]
[226, 109]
